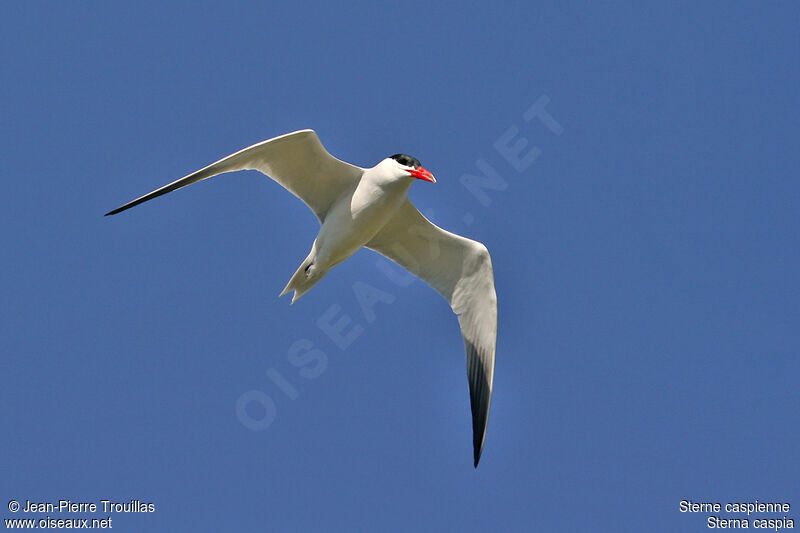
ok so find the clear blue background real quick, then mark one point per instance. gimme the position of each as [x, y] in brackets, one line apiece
[646, 264]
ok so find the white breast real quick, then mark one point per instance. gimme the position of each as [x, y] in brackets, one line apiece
[356, 219]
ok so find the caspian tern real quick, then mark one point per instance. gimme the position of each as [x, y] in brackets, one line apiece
[369, 207]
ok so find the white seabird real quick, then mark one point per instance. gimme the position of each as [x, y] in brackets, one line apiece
[369, 207]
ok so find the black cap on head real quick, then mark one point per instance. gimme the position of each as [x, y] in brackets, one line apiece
[406, 160]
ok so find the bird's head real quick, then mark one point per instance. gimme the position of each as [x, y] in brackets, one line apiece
[404, 166]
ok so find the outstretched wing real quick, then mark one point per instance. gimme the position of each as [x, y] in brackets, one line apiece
[461, 270]
[298, 161]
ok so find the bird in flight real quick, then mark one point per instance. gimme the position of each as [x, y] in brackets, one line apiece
[369, 207]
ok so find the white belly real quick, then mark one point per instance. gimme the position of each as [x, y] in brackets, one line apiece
[354, 221]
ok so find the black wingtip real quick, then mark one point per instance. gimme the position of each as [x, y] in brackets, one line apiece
[115, 211]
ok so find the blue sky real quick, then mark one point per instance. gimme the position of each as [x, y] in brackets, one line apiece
[646, 264]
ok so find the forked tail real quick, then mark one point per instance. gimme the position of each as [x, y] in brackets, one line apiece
[307, 276]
